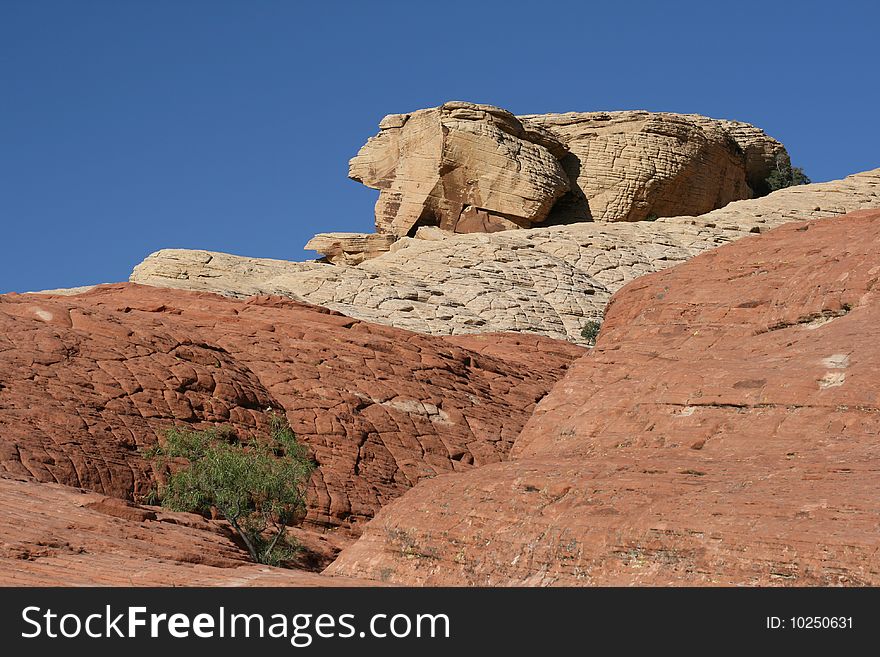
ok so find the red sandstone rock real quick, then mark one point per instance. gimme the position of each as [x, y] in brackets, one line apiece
[725, 430]
[88, 380]
[53, 535]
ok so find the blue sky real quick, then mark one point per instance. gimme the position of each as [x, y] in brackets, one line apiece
[129, 126]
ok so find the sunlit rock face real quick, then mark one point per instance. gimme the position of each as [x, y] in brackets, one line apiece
[463, 167]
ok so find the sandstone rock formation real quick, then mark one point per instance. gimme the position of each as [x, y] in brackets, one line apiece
[723, 431]
[632, 165]
[464, 167]
[476, 168]
[88, 380]
[544, 280]
[350, 248]
[53, 535]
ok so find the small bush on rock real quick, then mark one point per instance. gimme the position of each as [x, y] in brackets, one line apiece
[785, 175]
[259, 486]
[591, 331]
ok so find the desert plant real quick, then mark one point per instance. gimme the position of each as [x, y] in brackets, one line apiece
[150, 498]
[590, 331]
[785, 175]
[259, 486]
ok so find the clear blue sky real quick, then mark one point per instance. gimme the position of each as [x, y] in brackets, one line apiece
[128, 126]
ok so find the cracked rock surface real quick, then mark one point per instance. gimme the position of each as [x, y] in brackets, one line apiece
[548, 281]
[87, 381]
[630, 165]
[476, 168]
[725, 430]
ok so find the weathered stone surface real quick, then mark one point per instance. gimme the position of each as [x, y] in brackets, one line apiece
[222, 273]
[350, 248]
[725, 430]
[628, 166]
[475, 168]
[53, 535]
[88, 380]
[464, 167]
[544, 280]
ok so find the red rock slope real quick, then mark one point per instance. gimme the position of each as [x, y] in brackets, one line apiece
[53, 535]
[87, 380]
[726, 430]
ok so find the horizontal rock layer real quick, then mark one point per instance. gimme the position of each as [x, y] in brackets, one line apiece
[548, 281]
[725, 430]
[87, 381]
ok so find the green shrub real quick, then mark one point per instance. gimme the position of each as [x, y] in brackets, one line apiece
[785, 175]
[259, 486]
[591, 331]
[150, 498]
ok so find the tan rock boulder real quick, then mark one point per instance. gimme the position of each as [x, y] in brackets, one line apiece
[350, 248]
[463, 167]
[632, 165]
[469, 168]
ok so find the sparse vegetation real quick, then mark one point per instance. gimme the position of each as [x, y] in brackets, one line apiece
[591, 331]
[259, 486]
[785, 175]
[150, 498]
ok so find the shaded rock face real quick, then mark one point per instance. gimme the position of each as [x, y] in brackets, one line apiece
[628, 166]
[53, 535]
[88, 380]
[725, 430]
[762, 153]
[547, 281]
[463, 167]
